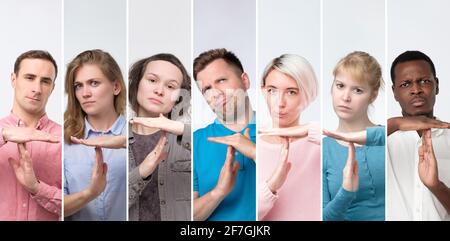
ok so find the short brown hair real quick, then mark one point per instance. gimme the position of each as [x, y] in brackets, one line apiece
[74, 114]
[209, 56]
[137, 71]
[35, 54]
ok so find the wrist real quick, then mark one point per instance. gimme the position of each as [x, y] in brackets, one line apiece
[217, 194]
[34, 189]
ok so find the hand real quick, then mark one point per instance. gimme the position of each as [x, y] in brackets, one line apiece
[296, 131]
[26, 134]
[23, 168]
[358, 137]
[280, 174]
[161, 122]
[228, 174]
[414, 123]
[428, 169]
[240, 142]
[111, 142]
[98, 177]
[350, 173]
[153, 158]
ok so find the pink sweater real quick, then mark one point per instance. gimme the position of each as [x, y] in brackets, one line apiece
[299, 197]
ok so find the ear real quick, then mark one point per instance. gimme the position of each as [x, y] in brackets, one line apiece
[393, 91]
[245, 80]
[13, 80]
[54, 83]
[437, 85]
[117, 88]
[374, 96]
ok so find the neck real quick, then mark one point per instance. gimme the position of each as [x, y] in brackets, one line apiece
[241, 121]
[28, 118]
[354, 125]
[429, 114]
[144, 130]
[103, 122]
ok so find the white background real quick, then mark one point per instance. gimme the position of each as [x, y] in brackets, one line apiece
[157, 26]
[421, 25]
[350, 25]
[27, 25]
[227, 24]
[99, 24]
[288, 27]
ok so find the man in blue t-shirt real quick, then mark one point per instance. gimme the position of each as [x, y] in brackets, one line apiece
[224, 151]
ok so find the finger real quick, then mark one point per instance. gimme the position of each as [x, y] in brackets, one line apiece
[98, 160]
[284, 151]
[247, 133]
[230, 157]
[288, 167]
[76, 140]
[105, 169]
[355, 168]
[421, 154]
[351, 153]
[220, 140]
[21, 148]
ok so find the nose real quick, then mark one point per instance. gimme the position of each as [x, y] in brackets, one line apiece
[416, 89]
[36, 87]
[159, 89]
[346, 96]
[281, 101]
[86, 92]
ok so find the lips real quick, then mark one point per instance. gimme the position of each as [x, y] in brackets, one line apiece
[418, 102]
[34, 99]
[88, 102]
[344, 108]
[155, 101]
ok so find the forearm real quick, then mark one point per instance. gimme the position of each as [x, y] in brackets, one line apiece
[75, 202]
[205, 205]
[336, 209]
[136, 184]
[442, 193]
[392, 125]
[49, 197]
[266, 200]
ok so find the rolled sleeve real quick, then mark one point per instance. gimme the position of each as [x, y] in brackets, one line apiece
[49, 197]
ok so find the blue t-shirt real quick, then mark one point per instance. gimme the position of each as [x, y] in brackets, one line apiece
[209, 157]
[368, 202]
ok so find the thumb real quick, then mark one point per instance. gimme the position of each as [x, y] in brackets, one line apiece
[14, 163]
[247, 133]
[105, 168]
[236, 166]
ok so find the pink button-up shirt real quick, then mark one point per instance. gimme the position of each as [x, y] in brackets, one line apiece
[299, 197]
[16, 203]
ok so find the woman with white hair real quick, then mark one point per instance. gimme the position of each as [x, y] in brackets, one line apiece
[289, 153]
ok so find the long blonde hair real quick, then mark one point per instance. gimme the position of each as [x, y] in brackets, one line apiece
[74, 115]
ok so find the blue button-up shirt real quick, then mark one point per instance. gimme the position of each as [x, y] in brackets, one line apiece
[79, 161]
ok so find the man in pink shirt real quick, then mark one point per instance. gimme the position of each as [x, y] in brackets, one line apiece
[30, 152]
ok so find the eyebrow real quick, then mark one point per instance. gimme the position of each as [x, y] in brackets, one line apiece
[34, 76]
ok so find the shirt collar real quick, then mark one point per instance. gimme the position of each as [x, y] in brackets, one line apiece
[43, 121]
[116, 128]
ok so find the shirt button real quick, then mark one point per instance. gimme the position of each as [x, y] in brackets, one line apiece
[161, 182]
[163, 202]
[24, 205]
[187, 145]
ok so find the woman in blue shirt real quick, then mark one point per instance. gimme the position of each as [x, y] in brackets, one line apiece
[94, 177]
[353, 155]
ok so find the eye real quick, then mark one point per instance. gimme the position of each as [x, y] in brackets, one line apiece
[220, 81]
[358, 91]
[271, 90]
[76, 86]
[339, 85]
[424, 81]
[206, 89]
[95, 83]
[404, 84]
[151, 80]
[292, 92]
